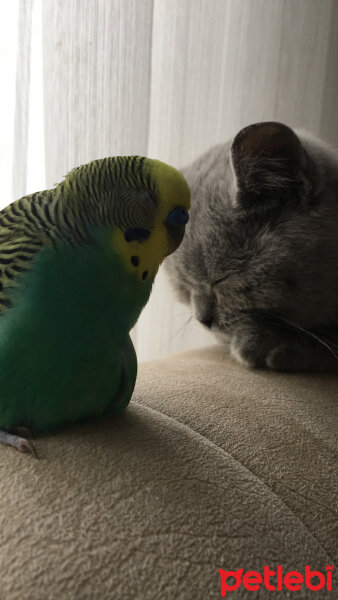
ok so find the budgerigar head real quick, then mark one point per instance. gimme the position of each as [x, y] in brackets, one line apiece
[145, 202]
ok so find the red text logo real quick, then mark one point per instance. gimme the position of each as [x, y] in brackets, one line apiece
[275, 579]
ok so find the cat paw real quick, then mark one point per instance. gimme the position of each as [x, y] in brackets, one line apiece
[254, 349]
[293, 356]
[281, 358]
[246, 350]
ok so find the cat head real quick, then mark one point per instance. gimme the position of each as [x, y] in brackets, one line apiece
[263, 231]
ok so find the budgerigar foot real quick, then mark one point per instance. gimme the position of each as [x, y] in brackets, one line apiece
[24, 432]
[20, 443]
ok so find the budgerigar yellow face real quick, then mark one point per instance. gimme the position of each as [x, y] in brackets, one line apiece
[144, 256]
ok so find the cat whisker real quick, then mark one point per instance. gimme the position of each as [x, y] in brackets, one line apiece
[313, 336]
[295, 327]
[182, 327]
[178, 316]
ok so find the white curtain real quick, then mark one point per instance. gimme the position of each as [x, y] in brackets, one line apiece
[84, 79]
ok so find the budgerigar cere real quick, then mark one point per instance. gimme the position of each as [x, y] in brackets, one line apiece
[77, 265]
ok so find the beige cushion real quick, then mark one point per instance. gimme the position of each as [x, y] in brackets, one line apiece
[212, 466]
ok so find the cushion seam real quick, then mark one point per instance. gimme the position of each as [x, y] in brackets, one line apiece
[223, 451]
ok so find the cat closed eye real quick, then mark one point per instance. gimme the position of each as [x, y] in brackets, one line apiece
[220, 280]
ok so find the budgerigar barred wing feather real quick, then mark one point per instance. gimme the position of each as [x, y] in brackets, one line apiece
[24, 230]
[26, 226]
[57, 214]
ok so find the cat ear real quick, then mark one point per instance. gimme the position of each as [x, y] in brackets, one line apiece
[270, 164]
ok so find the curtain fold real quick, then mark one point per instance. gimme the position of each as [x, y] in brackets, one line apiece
[97, 69]
[170, 78]
[20, 153]
[8, 69]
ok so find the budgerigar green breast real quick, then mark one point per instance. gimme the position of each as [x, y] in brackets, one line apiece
[77, 266]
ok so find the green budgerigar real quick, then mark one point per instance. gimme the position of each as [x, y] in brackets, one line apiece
[77, 265]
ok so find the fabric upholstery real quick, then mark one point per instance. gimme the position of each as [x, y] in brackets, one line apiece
[212, 466]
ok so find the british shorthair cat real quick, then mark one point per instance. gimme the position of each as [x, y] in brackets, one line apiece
[259, 262]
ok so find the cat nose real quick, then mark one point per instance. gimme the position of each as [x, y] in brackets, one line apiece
[207, 322]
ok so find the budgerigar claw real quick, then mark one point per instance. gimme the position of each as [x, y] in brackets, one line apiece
[27, 446]
[20, 443]
[24, 432]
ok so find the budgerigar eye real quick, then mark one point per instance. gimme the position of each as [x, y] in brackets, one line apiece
[178, 216]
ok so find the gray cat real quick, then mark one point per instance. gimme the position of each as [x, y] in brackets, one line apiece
[259, 261]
